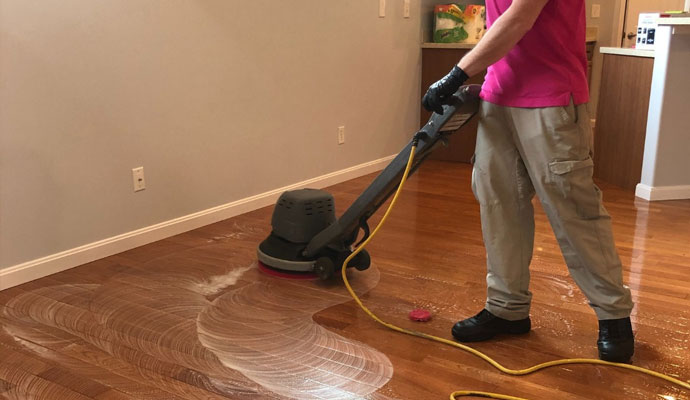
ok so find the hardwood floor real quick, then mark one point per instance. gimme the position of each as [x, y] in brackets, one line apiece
[191, 317]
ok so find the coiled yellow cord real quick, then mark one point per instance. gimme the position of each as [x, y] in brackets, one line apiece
[495, 364]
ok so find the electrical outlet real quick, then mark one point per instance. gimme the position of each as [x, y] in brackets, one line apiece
[382, 8]
[406, 8]
[596, 10]
[138, 179]
[341, 135]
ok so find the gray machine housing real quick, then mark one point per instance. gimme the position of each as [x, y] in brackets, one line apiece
[301, 214]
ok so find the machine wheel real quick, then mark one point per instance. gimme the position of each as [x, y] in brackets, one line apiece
[362, 260]
[324, 268]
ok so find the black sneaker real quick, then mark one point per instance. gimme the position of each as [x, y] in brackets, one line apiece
[485, 325]
[616, 341]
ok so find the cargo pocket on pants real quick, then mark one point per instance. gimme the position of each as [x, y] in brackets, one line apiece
[573, 180]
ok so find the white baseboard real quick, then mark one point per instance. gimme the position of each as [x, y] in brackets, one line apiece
[655, 193]
[35, 269]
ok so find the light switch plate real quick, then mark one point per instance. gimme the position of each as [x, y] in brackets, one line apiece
[382, 8]
[341, 135]
[596, 10]
[138, 179]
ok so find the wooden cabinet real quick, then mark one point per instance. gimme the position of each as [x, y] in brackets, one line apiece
[436, 63]
[590, 46]
[622, 119]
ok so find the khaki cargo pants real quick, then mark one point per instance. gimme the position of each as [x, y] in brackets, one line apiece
[521, 151]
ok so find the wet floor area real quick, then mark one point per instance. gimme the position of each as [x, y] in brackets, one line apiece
[192, 317]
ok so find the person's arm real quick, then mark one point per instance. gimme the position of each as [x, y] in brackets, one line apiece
[505, 32]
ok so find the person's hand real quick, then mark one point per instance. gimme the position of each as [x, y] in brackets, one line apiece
[438, 93]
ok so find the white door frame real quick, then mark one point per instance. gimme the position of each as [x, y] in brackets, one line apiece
[619, 22]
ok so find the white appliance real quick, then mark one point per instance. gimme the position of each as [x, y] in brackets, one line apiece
[646, 30]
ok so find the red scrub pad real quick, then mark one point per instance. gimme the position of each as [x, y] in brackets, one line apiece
[285, 274]
[420, 315]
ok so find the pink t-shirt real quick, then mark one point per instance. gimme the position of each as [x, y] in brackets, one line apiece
[548, 65]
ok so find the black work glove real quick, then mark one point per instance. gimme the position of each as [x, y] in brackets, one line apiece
[439, 92]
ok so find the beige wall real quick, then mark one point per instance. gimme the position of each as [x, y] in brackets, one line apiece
[217, 99]
[427, 19]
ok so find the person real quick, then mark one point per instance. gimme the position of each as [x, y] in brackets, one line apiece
[534, 136]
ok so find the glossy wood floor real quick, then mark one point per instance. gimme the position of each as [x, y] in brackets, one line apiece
[191, 317]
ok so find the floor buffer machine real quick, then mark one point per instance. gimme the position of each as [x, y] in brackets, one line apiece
[306, 236]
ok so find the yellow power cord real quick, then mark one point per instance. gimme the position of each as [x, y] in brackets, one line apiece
[494, 363]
